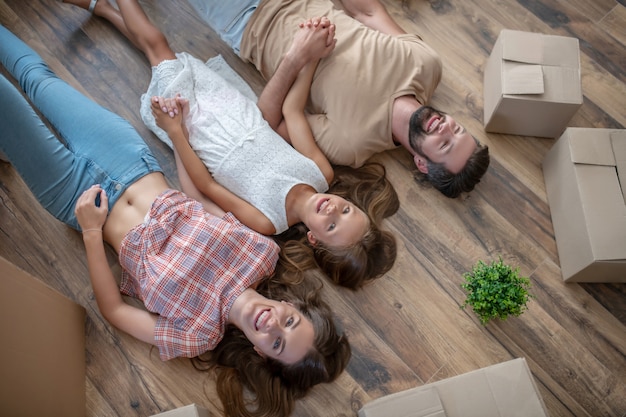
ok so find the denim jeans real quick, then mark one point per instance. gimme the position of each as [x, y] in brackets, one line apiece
[96, 146]
[226, 17]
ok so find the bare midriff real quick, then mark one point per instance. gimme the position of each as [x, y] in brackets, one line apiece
[132, 207]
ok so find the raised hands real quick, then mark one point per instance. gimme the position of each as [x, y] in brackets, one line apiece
[170, 113]
[314, 40]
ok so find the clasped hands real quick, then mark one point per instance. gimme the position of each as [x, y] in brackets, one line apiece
[169, 113]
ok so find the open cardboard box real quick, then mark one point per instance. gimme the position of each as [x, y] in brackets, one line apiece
[585, 176]
[502, 390]
[532, 84]
[43, 348]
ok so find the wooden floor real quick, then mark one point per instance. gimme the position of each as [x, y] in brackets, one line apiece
[406, 329]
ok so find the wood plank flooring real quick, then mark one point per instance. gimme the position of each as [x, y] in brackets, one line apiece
[407, 328]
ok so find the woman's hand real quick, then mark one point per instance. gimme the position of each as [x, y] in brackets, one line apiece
[89, 215]
[170, 113]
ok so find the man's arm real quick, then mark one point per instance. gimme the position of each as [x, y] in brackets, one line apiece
[313, 41]
[372, 13]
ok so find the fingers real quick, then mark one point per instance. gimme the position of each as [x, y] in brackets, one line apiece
[315, 40]
[88, 214]
[321, 22]
[166, 105]
[89, 195]
[181, 102]
[316, 22]
[330, 39]
[104, 200]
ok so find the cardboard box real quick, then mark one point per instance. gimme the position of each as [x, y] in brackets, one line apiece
[503, 390]
[191, 410]
[531, 84]
[585, 176]
[42, 352]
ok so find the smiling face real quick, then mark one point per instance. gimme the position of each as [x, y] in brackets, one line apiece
[334, 221]
[440, 139]
[277, 329]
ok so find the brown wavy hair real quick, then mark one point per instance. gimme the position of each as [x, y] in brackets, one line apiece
[352, 267]
[249, 385]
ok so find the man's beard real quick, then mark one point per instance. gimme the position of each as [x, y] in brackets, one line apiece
[417, 132]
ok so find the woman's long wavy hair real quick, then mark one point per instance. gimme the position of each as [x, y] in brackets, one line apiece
[354, 266]
[249, 385]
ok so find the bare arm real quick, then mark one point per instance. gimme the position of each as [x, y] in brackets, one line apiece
[137, 322]
[298, 126]
[191, 166]
[372, 13]
[313, 41]
[192, 191]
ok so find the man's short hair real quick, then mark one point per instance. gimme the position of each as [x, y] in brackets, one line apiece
[451, 184]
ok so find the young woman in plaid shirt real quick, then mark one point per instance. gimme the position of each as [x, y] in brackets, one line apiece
[196, 271]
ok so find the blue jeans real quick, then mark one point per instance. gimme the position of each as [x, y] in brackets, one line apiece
[100, 147]
[226, 17]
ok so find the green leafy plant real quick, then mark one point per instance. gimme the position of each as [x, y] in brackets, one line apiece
[495, 290]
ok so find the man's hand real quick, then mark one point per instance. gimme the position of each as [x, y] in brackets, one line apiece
[314, 40]
[321, 22]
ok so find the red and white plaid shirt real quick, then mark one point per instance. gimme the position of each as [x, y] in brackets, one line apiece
[189, 266]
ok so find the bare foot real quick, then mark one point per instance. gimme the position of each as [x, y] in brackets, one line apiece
[98, 9]
[104, 9]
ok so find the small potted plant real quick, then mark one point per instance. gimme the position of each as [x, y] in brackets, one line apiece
[495, 290]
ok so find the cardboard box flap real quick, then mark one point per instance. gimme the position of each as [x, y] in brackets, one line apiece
[520, 78]
[506, 389]
[536, 48]
[561, 51]
[526, 47]
[605, 212]
[410, 403]
[468, 395]
[562, 85]
[591, 147]
[514, 390]
[618, 143]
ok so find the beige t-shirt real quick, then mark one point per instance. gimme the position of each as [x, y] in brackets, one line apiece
[354, 88]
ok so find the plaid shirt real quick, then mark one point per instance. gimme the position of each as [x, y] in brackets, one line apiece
[189, 266]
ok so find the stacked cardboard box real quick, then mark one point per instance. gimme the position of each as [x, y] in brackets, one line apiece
[585, 176]
[531, 84]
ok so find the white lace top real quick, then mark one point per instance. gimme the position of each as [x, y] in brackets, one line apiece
[229, 134]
